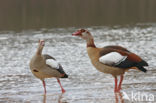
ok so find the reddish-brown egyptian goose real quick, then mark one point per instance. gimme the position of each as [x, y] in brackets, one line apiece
[114, 60]
[45, 66]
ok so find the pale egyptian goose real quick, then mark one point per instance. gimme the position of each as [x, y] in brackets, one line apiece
[45, 66]
[114, 60]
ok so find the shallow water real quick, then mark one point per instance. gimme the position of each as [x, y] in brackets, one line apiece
[85, 84]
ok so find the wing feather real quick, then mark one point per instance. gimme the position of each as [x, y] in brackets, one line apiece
[52, 63]
[112, 58]
[122, 58]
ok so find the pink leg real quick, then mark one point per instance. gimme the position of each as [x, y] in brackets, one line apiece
[44, 85]
[60, 85]
[120, 83]
[116, 85]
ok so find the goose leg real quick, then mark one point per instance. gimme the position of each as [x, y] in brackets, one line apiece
[120, 83]
[44, 85]
[116, 85]
[63, 91]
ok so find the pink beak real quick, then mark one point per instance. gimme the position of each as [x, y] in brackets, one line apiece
[76, 33]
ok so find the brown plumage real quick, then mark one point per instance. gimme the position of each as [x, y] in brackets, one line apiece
[115, 60]
[43, 69]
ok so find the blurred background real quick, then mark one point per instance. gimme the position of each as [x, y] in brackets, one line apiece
[128, 23]
[36, 14]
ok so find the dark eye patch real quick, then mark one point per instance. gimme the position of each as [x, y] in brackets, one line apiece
[82, 30]
[35, 70]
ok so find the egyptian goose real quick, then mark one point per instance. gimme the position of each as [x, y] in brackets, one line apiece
[45, 66]
[114, 60]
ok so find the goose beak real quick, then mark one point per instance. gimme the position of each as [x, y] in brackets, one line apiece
[78, 33]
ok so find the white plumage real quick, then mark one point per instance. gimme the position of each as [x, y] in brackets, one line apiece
[112, 58]
[52, 63]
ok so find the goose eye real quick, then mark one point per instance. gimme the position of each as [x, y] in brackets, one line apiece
[82, 30]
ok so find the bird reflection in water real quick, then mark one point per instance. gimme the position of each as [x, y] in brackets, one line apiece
[44, 98]
[119, 97]
[59, 98]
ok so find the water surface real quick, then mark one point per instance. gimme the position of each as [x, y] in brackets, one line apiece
[85, 84]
